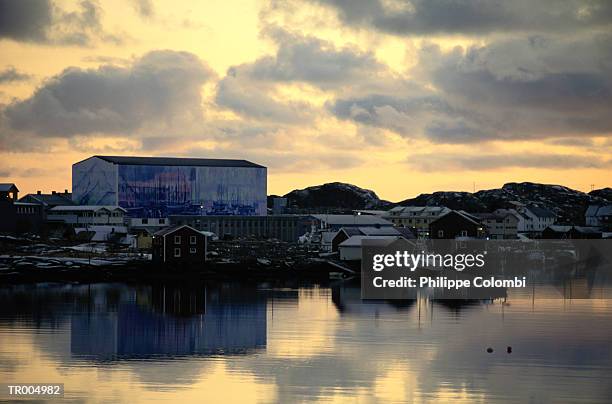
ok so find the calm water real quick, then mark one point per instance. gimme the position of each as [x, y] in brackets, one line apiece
[256, 343]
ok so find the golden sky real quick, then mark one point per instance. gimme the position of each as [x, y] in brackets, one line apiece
[398, 97]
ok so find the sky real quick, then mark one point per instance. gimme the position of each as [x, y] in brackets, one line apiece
[401, 97]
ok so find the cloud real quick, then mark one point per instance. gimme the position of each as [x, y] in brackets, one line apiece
[472, 17]
[311, 60]
[144, 8]
[523, 88]
[25, 20]
[251, 89]
[251, 99]
[444, 162]
[159, 88]
[42, 21]
[10, 74]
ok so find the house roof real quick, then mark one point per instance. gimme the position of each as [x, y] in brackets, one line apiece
[356, 241]
[379, 231]
[597, 210]
[8, 187]
[85, 208]
[587, 229]
[177, 161]
[169, 230]
[559, 229]
[49, 199]
[466, 216]
[353, 220]
[541, 212]
[418, 210]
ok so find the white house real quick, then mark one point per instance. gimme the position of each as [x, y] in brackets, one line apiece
[83, 215]
[599, 216]
[531, 219]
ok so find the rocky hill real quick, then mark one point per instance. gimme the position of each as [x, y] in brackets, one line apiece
[334, 197]
[604, 193]
[569, 204]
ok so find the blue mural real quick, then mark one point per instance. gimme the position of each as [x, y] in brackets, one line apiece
[163, 190]
[160, 191]
[94, 182]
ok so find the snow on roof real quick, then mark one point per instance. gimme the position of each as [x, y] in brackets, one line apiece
[587, 229]
[559, 228]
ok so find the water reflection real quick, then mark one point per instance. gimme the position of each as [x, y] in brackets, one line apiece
[259, 343]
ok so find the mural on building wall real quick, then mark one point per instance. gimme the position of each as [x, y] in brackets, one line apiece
[159, 191]
[94, 182]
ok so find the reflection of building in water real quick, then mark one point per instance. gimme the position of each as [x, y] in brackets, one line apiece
[174, 323]
[347, 300]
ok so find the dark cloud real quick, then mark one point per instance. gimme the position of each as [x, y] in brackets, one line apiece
[443, 162]
[45, 22]
[24, 20]
[158, 88]
[10, 74]
[524, 88]
[472, 17]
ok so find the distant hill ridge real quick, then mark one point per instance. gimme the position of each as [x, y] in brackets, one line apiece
[569, 204]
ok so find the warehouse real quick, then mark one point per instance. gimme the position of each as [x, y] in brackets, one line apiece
[162, 186]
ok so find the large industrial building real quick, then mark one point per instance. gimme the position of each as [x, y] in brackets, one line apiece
[150, 187]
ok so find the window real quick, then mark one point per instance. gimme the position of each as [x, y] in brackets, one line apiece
[162, 221]
[177, 239]
[177, 252]
[440, 233]
[464, 233]
[193, 250]
[193, 240]
[145, 221]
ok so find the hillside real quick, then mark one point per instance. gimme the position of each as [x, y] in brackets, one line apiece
[569, 204]
[334, 196]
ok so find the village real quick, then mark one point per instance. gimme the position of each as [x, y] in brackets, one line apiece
[213, 215]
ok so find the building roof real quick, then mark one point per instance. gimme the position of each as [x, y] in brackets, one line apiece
[169, 230]
[541, 212]
[357, 241]
[465, 216]
[587, 229]
[418, 210]
[598, 210]
[353, 220]
[49, 199]
[379, 231]
[8, 187]
[176, 161]
[85, 208]
[558, 228]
